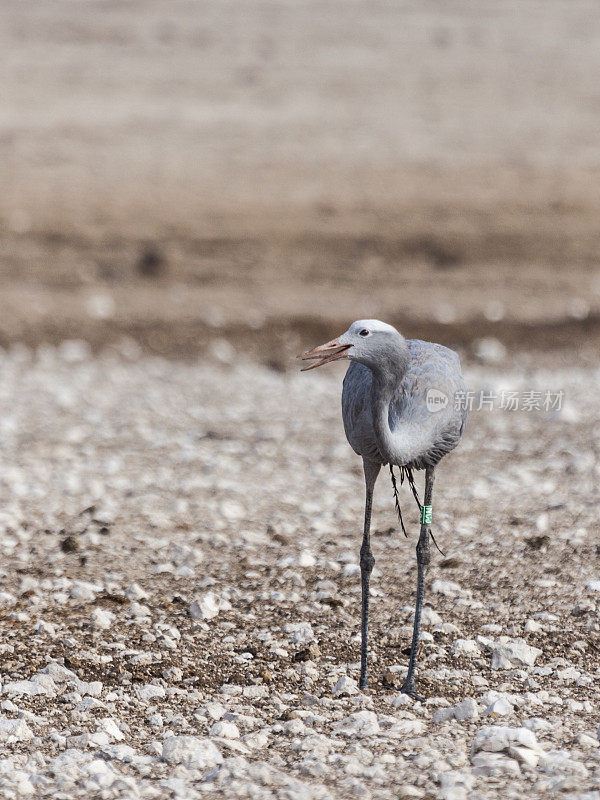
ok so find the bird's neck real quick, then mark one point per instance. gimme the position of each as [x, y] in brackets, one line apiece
[387, 377]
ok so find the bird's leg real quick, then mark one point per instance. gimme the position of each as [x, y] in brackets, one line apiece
[423, 559]
[366, 567]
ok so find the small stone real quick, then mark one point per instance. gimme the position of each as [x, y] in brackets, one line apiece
[69, 544]
[569, 675]
[300, 632]
[102, 619]
[410, 793]
[184, 571]
[402, 700]
[532, 626]
[443, 714]
[14, 730]
[542, 522]
[294, 727]
[306, 559]
[466, 710]
[87, 704]
[359, 724]
[255, 692]
[491, 627]
[344, 687]
[390, 679]
[110, 727]
[226, 730]
[524, 755]
[499, 708]
[192, 752]
[139, 611]
[429, 617]
[136, 593]
[142, 659]
[537, 724]
[93, 688]
[495, 764]
[495, 738]
[455, 784]
[78, 741]
[447, 588]
[465, 647]
[173, 674]
[585, 741]
[38, 685]
[101, 772]
[208, 606]
[561, 763]
[149, 692]
[59, 673]
[46, 628]
[164, 568]
[516, 653]
[214, 710]
[584, 606]
[85, 591]
[232, 510]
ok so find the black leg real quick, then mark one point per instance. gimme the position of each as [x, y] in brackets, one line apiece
[366, 567]
[423, 559]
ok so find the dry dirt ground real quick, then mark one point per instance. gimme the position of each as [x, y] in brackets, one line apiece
[191, 194]
[135, 487]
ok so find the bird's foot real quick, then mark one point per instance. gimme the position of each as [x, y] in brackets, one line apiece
[408, 687]
[363, 682]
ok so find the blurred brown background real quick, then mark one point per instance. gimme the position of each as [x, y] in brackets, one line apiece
[263, 173]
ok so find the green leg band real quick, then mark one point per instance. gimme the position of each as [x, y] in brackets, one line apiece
[426, 515]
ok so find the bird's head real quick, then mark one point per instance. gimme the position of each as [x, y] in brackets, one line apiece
[368, 341]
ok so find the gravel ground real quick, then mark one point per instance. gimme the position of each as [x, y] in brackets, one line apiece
[179, 604]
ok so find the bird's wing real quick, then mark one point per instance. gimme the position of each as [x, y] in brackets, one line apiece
[356, 411]
[431, 429]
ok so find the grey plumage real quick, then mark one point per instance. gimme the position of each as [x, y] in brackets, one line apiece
[431, 367]
[401, 406]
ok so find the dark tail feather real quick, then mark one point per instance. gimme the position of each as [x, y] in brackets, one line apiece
[406, 472]
[436, 544]
[411, 482]
[396, 498]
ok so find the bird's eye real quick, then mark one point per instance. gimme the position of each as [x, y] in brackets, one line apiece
[364, 332]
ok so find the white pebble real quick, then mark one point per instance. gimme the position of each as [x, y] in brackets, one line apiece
[499, 708]
[465, 647]
[226, 730]
[516, 653]
[102, 619]
[149, 692]
[192, 752]
[345, 686]
[359, 724]
[207, 606]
